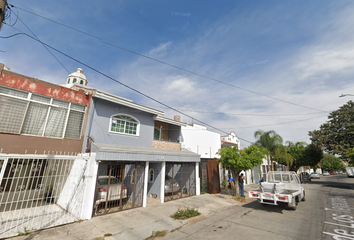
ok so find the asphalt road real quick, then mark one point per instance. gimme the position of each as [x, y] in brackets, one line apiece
[327, 213]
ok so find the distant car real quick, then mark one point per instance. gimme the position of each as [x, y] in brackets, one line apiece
[305, 177]
[169, 187]
[331, 172]
[314, 175]
[325, 173]
[115, 186]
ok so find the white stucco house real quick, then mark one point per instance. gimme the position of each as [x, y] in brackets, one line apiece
[196, 138]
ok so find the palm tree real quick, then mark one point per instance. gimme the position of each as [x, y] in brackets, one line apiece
[297, 144]
[268, 140]
[282, 156]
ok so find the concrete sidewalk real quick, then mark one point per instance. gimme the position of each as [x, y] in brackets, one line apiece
[138, 223]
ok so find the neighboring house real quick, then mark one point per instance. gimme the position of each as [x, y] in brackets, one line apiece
[40, 117]
[198, 139]
[41, 135]
[230, 140]
[70, 152]
[138, 148]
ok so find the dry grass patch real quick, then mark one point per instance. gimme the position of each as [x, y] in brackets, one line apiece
[157, 234]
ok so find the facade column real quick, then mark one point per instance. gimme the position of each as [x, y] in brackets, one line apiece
[197, 179]
[162, 182]
[146, 179]
[90, 185]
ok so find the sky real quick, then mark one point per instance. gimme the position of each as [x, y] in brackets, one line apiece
[238, 66]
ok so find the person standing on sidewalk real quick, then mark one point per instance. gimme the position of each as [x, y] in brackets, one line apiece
[240, 181]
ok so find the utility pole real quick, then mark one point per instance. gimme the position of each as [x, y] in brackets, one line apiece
[2, 11]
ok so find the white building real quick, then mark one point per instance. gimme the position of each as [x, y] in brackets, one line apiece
[196, 138]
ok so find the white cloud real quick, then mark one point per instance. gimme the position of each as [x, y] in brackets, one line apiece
[160, 49]
[324, 62]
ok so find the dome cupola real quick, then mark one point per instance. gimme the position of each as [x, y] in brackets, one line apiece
[77, 78]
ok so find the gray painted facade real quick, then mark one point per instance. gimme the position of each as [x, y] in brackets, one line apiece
[98, 126]
[154, 187]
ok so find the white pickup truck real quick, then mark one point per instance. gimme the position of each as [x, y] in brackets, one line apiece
[281, 186]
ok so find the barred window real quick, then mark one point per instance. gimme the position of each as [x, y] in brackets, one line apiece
[33, 114]
[124, 124]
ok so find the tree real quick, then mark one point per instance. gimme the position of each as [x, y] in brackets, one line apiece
[282, 156]
[351, 157]
[313, 155]
[330, 162]
[298, 155]
[336, 136]
[309, 155]
[237, 160]
[268, 140]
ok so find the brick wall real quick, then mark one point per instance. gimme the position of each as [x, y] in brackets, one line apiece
[166, 145]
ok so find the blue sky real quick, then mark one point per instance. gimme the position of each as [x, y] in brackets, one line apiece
[300, 54]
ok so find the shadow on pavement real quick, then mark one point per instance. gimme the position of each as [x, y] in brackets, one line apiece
[334, 184]
[265, 207]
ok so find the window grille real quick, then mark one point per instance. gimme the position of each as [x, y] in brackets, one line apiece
[34, 114]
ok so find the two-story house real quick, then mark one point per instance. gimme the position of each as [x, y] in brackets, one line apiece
[41, 135]
[138, 150]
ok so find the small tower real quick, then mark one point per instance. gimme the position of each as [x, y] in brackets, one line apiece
[76, 78]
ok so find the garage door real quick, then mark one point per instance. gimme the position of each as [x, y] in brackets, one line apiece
[119, 186]
[179, 180]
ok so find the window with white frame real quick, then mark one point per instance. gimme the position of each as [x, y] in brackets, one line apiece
[34, 114]
[124, 124]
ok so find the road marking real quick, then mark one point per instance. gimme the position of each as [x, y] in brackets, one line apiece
[341, 205]
[344, 234]
[351, 226]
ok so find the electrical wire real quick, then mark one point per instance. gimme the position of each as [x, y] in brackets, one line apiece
[115, 80]
[18, 17]
[275, 124]
[174, 66]
[243, 114]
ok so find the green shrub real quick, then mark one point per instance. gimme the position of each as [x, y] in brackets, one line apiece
[182, 214]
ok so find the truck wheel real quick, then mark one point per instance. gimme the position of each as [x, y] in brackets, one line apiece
[303, 198]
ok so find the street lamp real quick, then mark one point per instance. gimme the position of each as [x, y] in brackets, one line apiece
[344, 95]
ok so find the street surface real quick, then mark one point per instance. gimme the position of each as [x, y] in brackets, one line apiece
[327, 213]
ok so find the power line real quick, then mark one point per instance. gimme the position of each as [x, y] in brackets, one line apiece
[115, 80]
[174, 66]
[244, 114]
[18, 17]
[274, 124]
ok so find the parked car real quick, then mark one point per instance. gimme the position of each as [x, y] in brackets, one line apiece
[314, 175]
[325, 173]
[169, 187]
[331, 172]
[305, 177]
[115, 187]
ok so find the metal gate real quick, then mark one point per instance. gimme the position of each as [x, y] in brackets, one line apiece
[39, 191]
[213, 176]
[179, 180]
[119, 186]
